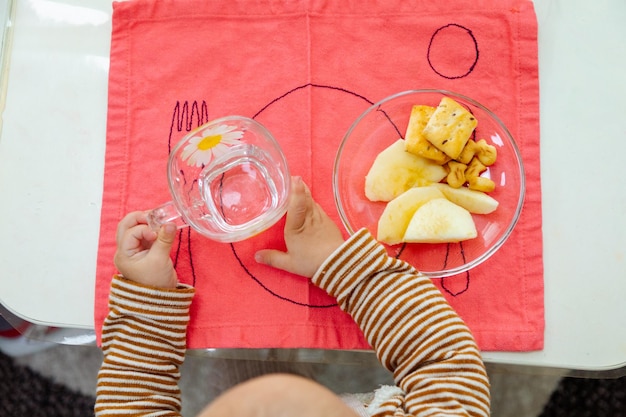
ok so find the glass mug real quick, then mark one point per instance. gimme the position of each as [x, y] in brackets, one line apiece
[229, 180]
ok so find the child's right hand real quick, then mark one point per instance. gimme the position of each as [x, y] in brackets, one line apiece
[142, 255]
[310, 235]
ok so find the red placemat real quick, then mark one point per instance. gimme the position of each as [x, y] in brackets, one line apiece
[306, 70]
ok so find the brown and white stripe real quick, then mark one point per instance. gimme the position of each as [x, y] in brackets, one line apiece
[144, 341]
[405, 318]
[412, 328]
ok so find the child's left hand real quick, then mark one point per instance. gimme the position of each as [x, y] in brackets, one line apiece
[142, 255]
[310, 235]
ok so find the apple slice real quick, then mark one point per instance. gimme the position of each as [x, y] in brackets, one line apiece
[439, 221]
[394, 171]
[473, 201]
[398, 212]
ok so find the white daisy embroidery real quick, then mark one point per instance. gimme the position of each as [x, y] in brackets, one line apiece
[210, 143]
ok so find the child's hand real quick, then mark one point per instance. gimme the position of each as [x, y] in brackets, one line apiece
[310, 235]
[142, 255]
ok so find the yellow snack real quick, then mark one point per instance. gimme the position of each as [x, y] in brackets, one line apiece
[487, 154]
[483, 184]
[456, 176]
[474, 168]
[450, 127]
[468, 152]
[474, 180]
[414, 140]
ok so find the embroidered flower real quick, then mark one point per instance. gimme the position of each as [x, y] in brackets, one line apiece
[210, 143]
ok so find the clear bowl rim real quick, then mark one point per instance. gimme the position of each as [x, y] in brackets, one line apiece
[518, 156]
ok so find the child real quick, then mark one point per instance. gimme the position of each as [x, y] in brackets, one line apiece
[435, 361]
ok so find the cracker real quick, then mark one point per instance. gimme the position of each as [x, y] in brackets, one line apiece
[486, 185]
[468, 152]
[450, 127]
[414, 140]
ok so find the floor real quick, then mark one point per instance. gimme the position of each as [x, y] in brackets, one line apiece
[517, 393]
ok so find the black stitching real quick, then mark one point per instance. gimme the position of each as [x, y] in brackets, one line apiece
[471, 68]
[183, 120]
[467, 273]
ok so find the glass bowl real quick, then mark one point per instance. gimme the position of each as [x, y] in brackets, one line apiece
[383, 124]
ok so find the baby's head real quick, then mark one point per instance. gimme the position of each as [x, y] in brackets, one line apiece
[278, 395]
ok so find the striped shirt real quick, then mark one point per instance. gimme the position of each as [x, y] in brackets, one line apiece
[434, 359]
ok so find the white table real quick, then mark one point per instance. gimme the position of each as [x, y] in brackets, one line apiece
[52, 158]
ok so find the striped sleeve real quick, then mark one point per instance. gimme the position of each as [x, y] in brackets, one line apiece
[144, 342]
[414, 331]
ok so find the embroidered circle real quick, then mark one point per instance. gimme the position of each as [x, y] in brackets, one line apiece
[233, 246]
[453, 51]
